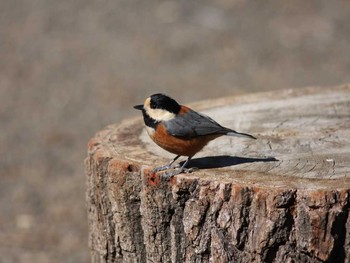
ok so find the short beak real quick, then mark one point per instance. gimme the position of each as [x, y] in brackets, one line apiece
[138, 107]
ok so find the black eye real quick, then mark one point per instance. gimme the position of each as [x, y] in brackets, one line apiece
[153, 105]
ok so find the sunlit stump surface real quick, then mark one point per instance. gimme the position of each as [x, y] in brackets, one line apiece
[281, 198]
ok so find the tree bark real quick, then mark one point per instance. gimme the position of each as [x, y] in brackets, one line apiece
[281, 198]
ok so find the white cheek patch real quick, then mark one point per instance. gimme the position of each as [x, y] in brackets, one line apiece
[157, 114]
[160, 115]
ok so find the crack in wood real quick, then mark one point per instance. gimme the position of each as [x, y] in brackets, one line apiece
[279, 125]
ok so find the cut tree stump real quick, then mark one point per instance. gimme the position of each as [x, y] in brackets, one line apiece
[281, 198]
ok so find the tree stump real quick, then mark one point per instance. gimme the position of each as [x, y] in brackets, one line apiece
[281, 198]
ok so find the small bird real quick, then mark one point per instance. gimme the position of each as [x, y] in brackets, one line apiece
[179, 129]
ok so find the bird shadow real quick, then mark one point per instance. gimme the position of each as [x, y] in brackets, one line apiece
[221, 161]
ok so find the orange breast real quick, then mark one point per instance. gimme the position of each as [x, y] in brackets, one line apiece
[180, 146]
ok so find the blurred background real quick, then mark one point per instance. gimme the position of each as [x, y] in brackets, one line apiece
[69, 68]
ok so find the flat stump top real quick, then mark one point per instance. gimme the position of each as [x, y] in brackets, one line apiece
[303, 140]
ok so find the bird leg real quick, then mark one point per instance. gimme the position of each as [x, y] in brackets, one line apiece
[165, 167]
[181, 170]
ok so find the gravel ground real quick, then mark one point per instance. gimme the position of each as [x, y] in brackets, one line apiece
[69, 68]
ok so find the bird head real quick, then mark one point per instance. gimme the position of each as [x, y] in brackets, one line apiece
[159, 107]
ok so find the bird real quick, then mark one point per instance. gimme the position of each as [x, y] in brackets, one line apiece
[180, 130]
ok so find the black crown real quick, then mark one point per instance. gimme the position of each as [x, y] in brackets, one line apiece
[161, 101]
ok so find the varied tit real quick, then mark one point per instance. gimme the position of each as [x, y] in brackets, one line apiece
[178, 129]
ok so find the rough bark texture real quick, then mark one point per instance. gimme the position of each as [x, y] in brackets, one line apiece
[286, 199]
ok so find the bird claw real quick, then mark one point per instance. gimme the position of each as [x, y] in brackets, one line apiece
[171, 173]
[180, 171]
[161, 168]
[174, 172]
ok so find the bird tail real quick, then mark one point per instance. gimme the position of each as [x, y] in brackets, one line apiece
[240, 134]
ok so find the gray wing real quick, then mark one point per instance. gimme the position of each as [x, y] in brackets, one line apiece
[193, 124]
